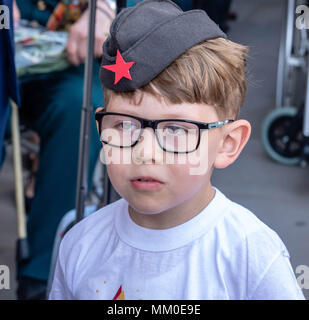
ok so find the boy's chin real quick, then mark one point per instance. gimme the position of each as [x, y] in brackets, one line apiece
[144, 204]
[148, 209]
[151, 207]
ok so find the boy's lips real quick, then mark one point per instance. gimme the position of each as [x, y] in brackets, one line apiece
[145, 183]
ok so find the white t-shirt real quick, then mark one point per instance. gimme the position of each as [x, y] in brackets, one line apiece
[224, 252]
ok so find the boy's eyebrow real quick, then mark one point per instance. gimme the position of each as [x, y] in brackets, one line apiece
[165, 116]
[176, 116]
[173, 115]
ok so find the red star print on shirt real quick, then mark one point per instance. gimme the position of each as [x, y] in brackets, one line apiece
[121, 68]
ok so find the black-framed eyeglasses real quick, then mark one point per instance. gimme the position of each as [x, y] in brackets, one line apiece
[173, 135]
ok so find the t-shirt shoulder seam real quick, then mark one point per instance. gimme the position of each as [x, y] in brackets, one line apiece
[87, 222]
[276, 256]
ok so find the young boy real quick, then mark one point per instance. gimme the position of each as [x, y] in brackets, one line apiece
[173, 86]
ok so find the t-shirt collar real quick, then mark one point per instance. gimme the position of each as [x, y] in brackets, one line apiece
[168, 239]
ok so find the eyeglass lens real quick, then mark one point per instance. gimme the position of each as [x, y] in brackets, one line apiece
[172, 136]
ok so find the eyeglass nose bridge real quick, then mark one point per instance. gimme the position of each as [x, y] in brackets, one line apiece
[145, 123]
[149, 124]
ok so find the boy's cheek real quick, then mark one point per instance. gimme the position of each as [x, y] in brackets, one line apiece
[198, 163]
[192, 165]
[118, 178]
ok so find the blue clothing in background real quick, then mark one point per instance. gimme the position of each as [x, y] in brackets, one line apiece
[8, 81]
[51, 106]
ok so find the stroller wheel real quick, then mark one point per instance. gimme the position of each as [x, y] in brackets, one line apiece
[282, 136]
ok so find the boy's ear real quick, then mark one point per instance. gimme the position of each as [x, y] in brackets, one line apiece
[97, 110]
[234, 139]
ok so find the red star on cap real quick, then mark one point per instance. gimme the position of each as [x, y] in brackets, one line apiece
[121, 68]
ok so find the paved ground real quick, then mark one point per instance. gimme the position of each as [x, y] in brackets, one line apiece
[277, 194]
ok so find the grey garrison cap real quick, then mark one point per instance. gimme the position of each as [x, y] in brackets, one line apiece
[147, 38]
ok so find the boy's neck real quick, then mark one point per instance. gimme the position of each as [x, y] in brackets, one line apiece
[176, 215]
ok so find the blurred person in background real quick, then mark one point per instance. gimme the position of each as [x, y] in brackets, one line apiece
[51, 105]
[218, 11]
[8, 83]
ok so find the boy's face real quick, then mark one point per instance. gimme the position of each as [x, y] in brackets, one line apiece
[181, 180]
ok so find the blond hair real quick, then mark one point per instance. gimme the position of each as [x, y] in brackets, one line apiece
[212, 72]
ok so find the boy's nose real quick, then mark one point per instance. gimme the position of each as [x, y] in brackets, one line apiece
[147, 150]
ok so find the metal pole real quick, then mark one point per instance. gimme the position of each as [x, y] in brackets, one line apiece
[22, 247]
[87, 110]
[120, 5]
[306, 107]
[83, 158]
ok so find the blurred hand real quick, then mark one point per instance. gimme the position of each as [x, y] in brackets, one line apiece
[16, 13]
[78, 35]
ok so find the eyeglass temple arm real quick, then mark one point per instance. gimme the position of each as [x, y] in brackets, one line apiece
[218, 124]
